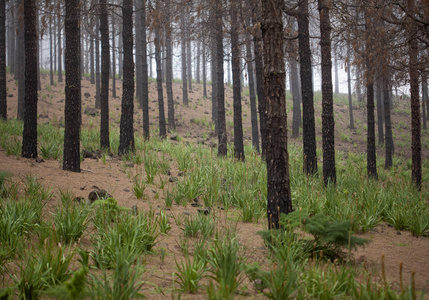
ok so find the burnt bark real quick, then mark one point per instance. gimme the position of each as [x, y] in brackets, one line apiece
[60, 49]
[3, 103]
[204, 69]
[157, 41]
[169, 67]
[113, 56]
[236, 85]
[71, 157]
[184, 67]
[20, 58]
[328, 140]
[105, 70]
[387, 123]
[126, 139]
[51, 57]
[29, 136]
[306, 73]
[97, 61]
[296, 119]
[349, 89]
[380, 110]
[145, 79]
[277, 157]
[221, 121]
[213, 53]
[425, 100]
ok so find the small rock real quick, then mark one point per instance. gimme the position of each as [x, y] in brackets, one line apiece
[206, 112]
[79, 199]
[205, 211]
[10, 95]
[87, 95]
[39, 160]
[173, 179]
[90, 111]
[98, 194]
[86, 153]
[186, 213]
[168, 172]
[126, 190]
[200, 141]
[398, 232]
[173, 137]
[181, 173]
[195, 203]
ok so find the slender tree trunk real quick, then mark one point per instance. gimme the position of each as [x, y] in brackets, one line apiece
[51, 57]
[105, 70]
[138, 51]
[126, 139]
[380, 110]
[54, 42]
[349, 89]
[162, 129]
[145, 79]
[169, 67]
[388, 123]
[328, 141]
[204, 70]
[306, 73]
[214, 77]
[3, 103]
[425, 101]
[120, 53]
[416, 144]
[29, 136]
[221, 121]
[197, 71]
[71, 157]
[11, 36]
[337, 81]
[277, 157]
[189, 53]
[236, 89]
[60, 50]
[252, 95]
[21, 58]
[296, 120]
[184, 71]
[113, 56]
[97, 62]
[259, 68]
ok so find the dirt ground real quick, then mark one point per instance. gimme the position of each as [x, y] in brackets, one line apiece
[397, 247]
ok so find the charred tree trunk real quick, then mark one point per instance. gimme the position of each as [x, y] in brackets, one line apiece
[113, 56]
[126, 139]
[296, 120]
[20, 59]
[328, 141]
[138, 50]
[29, 136]
[204, 70]
[71, 157]
[387, 123]
[277, 157]
[214, 78]
[169, 67]
[425, 101]
[306, 73]
[188, 53]
[221, 121]
[236, 82]
[349, 89]
[3, 103]
[184, 71]
[105, 70]
[380, 110]
[60, 50]
[145, 79]
[197, 71]
[51, 57]
[120, 53]
[97, 62]
[157, 41]
[11, 37]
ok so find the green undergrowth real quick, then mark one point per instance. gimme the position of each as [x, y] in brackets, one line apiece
[214, 260]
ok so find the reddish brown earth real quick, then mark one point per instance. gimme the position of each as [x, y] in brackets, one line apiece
[397, 247]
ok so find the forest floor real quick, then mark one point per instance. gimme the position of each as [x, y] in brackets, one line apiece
[193, 123]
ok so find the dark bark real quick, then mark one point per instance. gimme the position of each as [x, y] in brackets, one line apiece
[204, 70]
[416, 144]
[71, 157]
[328, 141]
[337, 81]
[169, 67]
[296, 119]
[387, 123]
[51, 57]
[236, 85]
[157, 41]
[60, 50]
[145, 79]
[380, 110]
[197, 70]
[55, 44]
[425, 102]
[139, 61]
[20, 58]
[306, 73]
[3, 103]
[97, 61]
[214, 77]
[221, 121]
[11, 37]
[278, 185]
[126, 139]
[120, 53]
[188, 52]
[29, 136]
[184, 71]
[349, 89]
[113, 56]
[105, 70]
[259, 68]
[371, 158]
[92, 58]
[252, 95]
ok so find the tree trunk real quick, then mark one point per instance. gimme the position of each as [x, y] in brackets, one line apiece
[425, 101]
[296, 120]
[113, 56]
[380, 110]
[145, 79]
[71, 157]
[21, 58]
[3, 103]
[126, 139]
[189, 52]
[349, 89]
[328, 141]
[105, 70]
[97, 62]
[157, 41]
[169, 67]
[92, 54]
[221, 122]
[236, 82]
[55, 45]
[197, 70]
[337, 81]
[252, 95]
[387, 122]
[51, 57]
[278, 184]
[416, 144]
[259, 68]
[204, 70]
[214, 76]
[11, 37]
[60, 50]
[184, 71]
[306, 73]
[120, 53]
[29, 136]
[138, 50]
